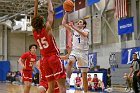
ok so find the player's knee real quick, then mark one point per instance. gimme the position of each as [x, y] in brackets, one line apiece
[62, 89]
[41, 89]
[28, 84]
[71, 62]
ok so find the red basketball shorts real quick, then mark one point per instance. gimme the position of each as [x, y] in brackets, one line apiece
[53, 67]
[26, 75]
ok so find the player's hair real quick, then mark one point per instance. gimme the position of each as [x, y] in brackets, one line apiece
[95, 74]
[37, 23]
[84, 22]
[32, 46]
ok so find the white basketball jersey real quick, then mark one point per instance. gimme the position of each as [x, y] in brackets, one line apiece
[80, 42]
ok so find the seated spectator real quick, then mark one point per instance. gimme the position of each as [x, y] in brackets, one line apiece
[8, 77]
[101, 85]
[97, 84]
[89, 79]
[13, 77]
[96, 69]
[128, 81]
[18, 77]
[108, 78]
[35, 79]
[95, 81]
[78, 82]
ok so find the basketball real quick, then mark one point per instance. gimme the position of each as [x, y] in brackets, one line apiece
[68, 5]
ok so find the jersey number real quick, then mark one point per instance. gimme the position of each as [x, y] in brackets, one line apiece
[79, 39]
[42, 43]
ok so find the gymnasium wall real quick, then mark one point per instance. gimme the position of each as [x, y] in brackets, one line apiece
[17, 45]
[1, 43]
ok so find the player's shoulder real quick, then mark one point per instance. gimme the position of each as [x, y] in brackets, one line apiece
[27, 53]
[86, 30]
[24, 55]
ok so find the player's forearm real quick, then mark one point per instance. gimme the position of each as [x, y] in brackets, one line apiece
[139, 72]
[50, 13]
[65, 57]
[35, 8]
[64, 21]
[132, 70]
[50, 7]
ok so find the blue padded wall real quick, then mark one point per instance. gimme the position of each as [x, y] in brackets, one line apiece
[4, 69]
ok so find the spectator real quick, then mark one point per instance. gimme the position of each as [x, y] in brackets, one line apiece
[89, 79]
[128, 82]
[78, 82]
[95, 81]
[96, 69]
[108, 77]
[13, 77]
[35, 78]
[18, 77]
[101, 85]
[9, 75]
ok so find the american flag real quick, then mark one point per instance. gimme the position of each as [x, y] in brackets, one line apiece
[121, 8]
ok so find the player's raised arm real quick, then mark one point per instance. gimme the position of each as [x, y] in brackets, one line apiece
[64, 21]
[50, 17]
[35, 8]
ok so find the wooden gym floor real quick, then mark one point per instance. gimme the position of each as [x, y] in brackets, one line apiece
[10, 88]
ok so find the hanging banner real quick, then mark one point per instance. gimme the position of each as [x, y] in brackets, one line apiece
[128, 53]
[92, 58]
[59, 12]
[89, 28]
[91, 2]
[62, 37]
[126, 26]
[97, 27]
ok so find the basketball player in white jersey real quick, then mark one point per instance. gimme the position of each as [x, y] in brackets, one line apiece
[80, 48]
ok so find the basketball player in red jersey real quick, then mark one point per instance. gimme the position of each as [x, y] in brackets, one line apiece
[54, 70]
[27, 60]
[43, 85]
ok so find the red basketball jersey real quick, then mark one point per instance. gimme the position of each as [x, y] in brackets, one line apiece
[95, 80]
[89, 79]
[29, 60]
[78, 79]
[46, 42]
